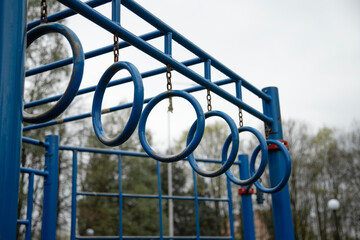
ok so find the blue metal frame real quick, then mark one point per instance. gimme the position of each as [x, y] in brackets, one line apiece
[12, 37]
[283, 222]
[12, 56]
[158, 196]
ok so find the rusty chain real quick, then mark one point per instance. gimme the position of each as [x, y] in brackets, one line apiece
[116, 48]
[43, 11]
[208, 98]
[169, 86]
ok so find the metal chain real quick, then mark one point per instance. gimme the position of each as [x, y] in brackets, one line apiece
[241, 121]
[43, 11]
[169, 86]
[267, 131]
[116, 48]
[208, 98]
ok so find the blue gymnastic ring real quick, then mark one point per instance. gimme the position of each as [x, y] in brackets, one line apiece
[200, 126]
[287, 160]
[264, 158]
[136, 107]
[76, 75]
[227, 162]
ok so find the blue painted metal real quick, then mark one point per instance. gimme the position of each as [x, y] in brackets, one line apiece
[12, 53]
[108, 25]
[280, 183]
[230, 209]
[284, 228]
[246, 202]
[120, 199]
[29, 206]
[33, 141]
[37, 172]
[112, 109]
[160, 200]
[88, 55]
[115, 11]
[168, 44]
[264, 157]
[226, 161]
[73, 196]
[49, 218]
[112, 83]
[197, 217]
[200, 126]
[136, 106]
[65, 13]
[76, 76]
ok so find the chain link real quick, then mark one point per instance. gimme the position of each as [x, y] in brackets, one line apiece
[116, 47]
[208, 98]
[241, 121]
[169, 86]
[267, 131]
[43, 11]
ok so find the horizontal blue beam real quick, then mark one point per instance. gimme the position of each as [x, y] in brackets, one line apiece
[91, 54]
[160, 25]
[23, 222]
[151, 237]
[112, 109]
[142, 45]
[36, 172]
[34, 141]
[126, 153]
[112, 83]
[102, 194]
[65, 13]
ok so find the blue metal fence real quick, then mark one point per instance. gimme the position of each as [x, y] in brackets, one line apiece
[13, 38]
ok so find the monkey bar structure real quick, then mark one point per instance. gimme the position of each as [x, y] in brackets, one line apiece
[16, 35]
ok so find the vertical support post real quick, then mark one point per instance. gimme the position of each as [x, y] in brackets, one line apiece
[230, 207]
[49, 218]
[12, 56]
[73, 196]
[160, 200]
[284, 228]
[115, 11]
[120, 200]
[29, 206]
[197, 218]
[246, 201]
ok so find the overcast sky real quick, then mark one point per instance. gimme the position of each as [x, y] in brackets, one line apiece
[309, 49]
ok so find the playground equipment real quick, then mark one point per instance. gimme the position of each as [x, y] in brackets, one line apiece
[13, 39]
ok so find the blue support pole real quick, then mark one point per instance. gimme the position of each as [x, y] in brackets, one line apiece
[12, 56]
[197, 218]
[115, 13]
[29, 206]
[246, 202]
[160, 200]
[230, 207]
[73, 196]
[49, 218]
[284, 228]
[120, 199]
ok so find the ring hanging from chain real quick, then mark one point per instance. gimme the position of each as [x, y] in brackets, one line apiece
[264, 157]
[76, 75]
[200, 126]
[227, 162]
[287, 172]
[136, 107]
